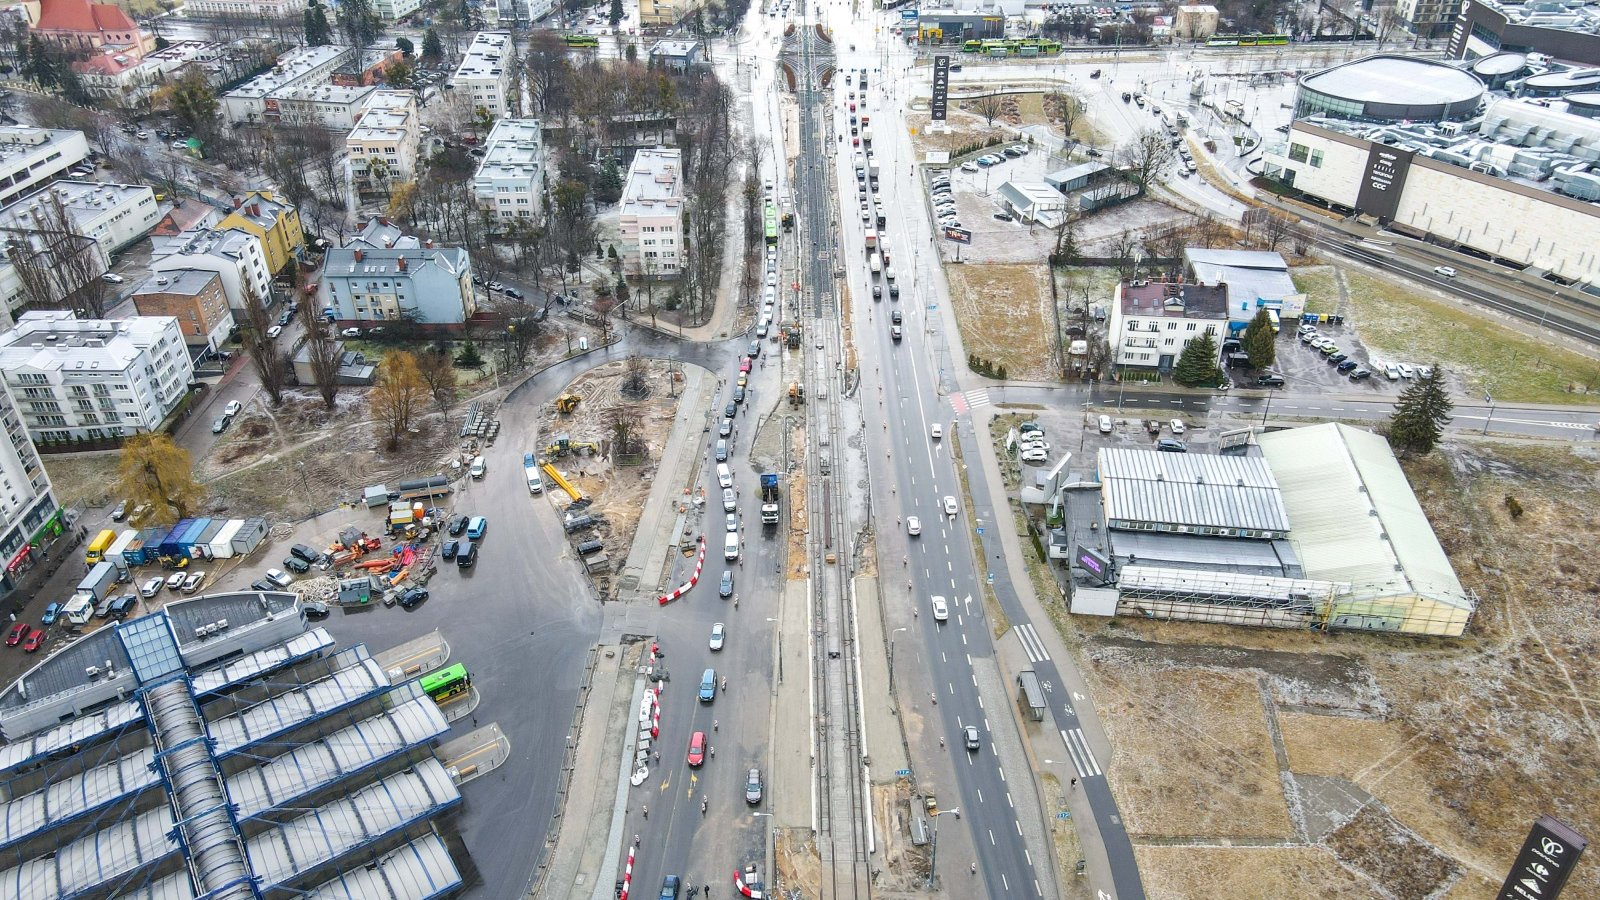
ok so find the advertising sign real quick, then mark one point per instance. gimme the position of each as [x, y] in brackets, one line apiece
[1091, 561]
[959, 235]
[1545, 863]
[1383, 180]
[908, 15]
[941, 87]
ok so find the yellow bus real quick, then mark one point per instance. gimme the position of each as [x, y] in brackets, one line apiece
[1272, 315]
[98, 546]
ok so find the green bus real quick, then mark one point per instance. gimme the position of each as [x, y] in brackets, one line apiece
[446, 683]
[1247, 40]
[582, 40]
[771, 221]
[971, 46]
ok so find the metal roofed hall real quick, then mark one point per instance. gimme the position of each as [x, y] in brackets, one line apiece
[1396, 79]
[1358, 522]
[1194, 493]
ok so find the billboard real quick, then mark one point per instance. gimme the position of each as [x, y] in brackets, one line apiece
[941, 87]
[1093, 562]
[908, 15]
[959, 235]
[1383, 180]
[1546, 862]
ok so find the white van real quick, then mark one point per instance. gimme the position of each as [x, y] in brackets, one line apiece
[724, 475]
[478, 468]
[730, 546]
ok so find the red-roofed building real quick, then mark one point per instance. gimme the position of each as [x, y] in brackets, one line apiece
[82, 25]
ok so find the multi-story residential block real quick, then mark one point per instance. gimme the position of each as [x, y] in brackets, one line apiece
[382, 150]
[233, 253]
[274, 223]
[666, 12]
[485, 72]
[130, 82]
[1428, 18]
[94, 379]
[114, 215]
[256, 100]
[331, 106]
[516, 12]
[29, 515]
[245, 9]
[510, 179]
[381, 234]
[84, 27]
[430, 285]
[30, 157]
[652, 214]
[194, 297]
[395, 10]
[1152, 322]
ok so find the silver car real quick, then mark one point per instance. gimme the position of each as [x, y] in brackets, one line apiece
[729, 501]
[752, 787]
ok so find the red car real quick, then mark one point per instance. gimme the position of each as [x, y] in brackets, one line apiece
[697, 748]
[744, 365]
[855, 142]
[852, 107]
[35, 640]
[18, 632]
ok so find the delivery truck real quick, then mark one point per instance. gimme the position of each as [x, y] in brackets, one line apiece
[530, 470]
[99, 581]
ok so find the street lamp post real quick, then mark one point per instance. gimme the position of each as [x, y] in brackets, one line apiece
[933, 863]
[1267, 408]
[891, 656]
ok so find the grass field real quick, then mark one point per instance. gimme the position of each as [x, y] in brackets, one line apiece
[1404, 326]
[1000, 310]
[1320, 287]
[1197, 873]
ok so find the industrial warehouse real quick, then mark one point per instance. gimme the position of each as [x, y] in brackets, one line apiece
[220, 747]
[1314, 528]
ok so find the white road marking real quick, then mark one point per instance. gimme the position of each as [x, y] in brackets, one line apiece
[1031, 644]
[1082, 757]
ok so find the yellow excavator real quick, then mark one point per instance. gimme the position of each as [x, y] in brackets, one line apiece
[566, 403]
[564, 444]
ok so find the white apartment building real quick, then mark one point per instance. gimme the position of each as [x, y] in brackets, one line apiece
[485, 72]
[115, 215]
[234, 254]
[382, 149]
[518, 12]
[29, 515]
[395, 10]
[94, 379]
[510, 179]
[30, 157]
[255, 101]
[652, 214]
[129, 81]
[246, 9]
[1152, 322]
[335, 107]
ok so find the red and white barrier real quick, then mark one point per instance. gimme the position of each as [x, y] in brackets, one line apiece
[699, 564]
[752, 889]
[627, 876]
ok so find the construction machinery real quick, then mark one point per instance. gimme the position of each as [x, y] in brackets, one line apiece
[792, 330]
[797, 393]
[564, 444]
[769, 498]
[562, 483]
[566, 403]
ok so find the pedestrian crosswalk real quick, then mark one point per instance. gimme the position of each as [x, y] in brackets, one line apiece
[1031, 644]
[970, 400]
[1082, 757]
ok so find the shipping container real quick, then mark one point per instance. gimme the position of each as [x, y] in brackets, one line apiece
[189, 538]
[170, 545]
[222, 544]
[249, 536]
[202, 544]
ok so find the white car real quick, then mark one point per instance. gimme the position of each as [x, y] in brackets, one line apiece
[1391, 371]
[350, 333]
[233, 408]
[772, 279]
[1035, 455]
[1406, 371]
[950, 507]
[969, 166]
[274, 331]
[1424, 371]
[941, 610]
[1446, 271]
[112, 278]
[717, 635]
[913, 526]
[193, 582]
[1177, 426]
[279, 577]
[729, 501]
[175, 580]
[936, 430]
[1105, 424]
[731, 521]
[1037, 444]
[151, 587]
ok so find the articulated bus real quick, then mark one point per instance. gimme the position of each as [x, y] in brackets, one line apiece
[770, 219]
[1247, 40]
[446, 683]
[582, 40]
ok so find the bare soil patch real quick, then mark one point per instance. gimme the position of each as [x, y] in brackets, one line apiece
[1248, 873]
[1001, 311]
[1375, 844]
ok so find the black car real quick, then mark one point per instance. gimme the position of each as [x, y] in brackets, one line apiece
[894, 290]
[262, 584]
[315, 609]
[449, 549]
[412, 596]
[1338, 358]
[458, 524]
[1347, 365]
[1270, 381]
[466, 555]
[296, 564]
[1168, 445]
[731, 410]
[877, 292]
[1360, 374]
[895, 317]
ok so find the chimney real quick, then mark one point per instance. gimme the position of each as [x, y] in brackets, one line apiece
[401, 263]
[237, 202]
[428, 244]
[383, 221]
[255, 209]
[358, 255]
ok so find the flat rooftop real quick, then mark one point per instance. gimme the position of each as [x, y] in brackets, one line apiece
[1565, 16]
[485, 56]
[184, 282]
[1197, 490]
[1395, 79]
[512, 148]
[655, 182]
[291, 67]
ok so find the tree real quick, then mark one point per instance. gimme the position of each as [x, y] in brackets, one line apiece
[990, 106]
[432, 47]
[1146, 155]
[1420, 415]
[399, 73]
[358, 22]
[1067, 105]
[616, 12]
[1197, 367]
[322, 352]
[468, 356]
[318, 31]
[405, 46]
[155, 472]
[270, 366]
[397, 395]
[191, 100]
[1276, 229]
[1259, 341]
[608, 183]
[439, 374]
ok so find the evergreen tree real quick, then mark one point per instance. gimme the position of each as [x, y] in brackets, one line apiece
[432, 47]
[1259, 341]
[318, 32]
[469, 357]
[1420, 415]
[1197, 367]
[616, 12]
[608, 183]
[358, 22]
[405, 46]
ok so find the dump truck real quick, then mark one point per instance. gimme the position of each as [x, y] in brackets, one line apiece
[530, 470]
[797, 393]
[769, 498]
[872, 242]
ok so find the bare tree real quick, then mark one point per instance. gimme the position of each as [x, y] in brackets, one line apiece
[271, 367]
[323, 353]
[990, 106]
[58, 268]
[1146, 155]
[397, 395]
[1067, 105]
[438, 372]
[635, 368]
[1276, 229]
[625, 421]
